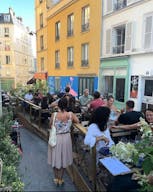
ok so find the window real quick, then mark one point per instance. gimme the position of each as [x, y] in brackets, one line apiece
[70, 25]
[7, 59]
[6, 32]
[57, 30]
[40, 1]
[107, 85]
[148, 32]
[41, 20]
[6, 18]
[7, 46]
[70, 56]
[42, 64]
[118, 39]
[57, 84]
[57, 59]
[85, 55]
[120, 89]
[148, 88]
[85, 18]
[86, 82]
[41, 42]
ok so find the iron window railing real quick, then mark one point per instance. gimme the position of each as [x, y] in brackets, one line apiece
[85, 27]
[120, 5]
[70, 63]
[57, 65]
[118, 49]
[70, 33]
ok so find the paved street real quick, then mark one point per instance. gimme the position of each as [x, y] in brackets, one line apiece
[35, 172]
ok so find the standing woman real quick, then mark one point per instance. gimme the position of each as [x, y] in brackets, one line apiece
[60, 156]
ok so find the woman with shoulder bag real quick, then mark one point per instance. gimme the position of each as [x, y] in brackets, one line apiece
[60, 156]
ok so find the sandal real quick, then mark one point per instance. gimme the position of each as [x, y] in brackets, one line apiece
[61, 182]
[56, 181]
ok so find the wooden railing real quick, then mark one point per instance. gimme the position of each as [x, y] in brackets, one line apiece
[84, 157]
[86, 173]
[29, 110]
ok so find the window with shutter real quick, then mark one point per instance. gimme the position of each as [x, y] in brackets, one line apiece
[118, 39]
[148, 33]
[109, 5]
[108, 41]
[128, 37]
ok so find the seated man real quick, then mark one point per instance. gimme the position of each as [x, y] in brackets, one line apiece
[130, 116]
[85, 98]
[29, 96]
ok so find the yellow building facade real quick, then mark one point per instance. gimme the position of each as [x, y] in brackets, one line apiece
[72, 39]
[41, 31]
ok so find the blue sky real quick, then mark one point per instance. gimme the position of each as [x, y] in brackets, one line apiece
[22, 8]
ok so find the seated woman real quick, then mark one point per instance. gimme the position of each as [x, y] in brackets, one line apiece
[149, 116]
[114, 111]
[98, 133]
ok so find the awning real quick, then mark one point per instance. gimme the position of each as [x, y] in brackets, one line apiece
[31, 81]
[40, 75]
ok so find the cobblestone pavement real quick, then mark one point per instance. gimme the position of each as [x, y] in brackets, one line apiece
[35, 172]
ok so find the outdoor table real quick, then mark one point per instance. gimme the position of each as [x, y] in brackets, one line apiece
[117, 133]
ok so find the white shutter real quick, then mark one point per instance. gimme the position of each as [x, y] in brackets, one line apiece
[148, 32]
[109, 6]
[128, 36]
[129, 2]
[108, 41]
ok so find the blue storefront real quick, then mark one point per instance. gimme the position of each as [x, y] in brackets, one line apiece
[77, 84]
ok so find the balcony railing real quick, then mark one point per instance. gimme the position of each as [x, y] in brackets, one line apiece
[85, 27]
[42, 47]
[41, 25]
[118, 49]
[70, 33]
[57, 38]
[84, 63]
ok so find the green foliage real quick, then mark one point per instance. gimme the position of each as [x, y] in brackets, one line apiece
[145, 148]
[21, 90]
[9, 155]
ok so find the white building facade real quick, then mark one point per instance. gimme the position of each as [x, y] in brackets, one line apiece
[126, 69]
[16, 55]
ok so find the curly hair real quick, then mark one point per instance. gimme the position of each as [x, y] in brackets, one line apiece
[62, 104]
[100, 117]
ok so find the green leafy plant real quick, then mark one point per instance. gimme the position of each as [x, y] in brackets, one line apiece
[9, 155]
